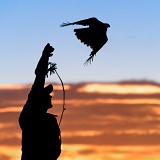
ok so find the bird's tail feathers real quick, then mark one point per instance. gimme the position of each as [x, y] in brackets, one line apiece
[90, 59]
[65, 24]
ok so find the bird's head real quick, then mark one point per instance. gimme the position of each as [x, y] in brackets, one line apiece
[107, 25]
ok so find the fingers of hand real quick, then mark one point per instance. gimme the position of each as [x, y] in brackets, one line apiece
[48, 49]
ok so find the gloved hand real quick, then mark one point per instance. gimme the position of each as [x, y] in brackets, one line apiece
[48, 49]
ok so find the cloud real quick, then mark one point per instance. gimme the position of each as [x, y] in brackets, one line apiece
[87, 151]
[6, 125]
[22, 87]
[109, 152]
[10, 109]
[10, 152]
[120, 88]
[4, 157]
[110, 139]
[94, 122]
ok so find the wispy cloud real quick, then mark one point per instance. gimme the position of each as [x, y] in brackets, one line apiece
[111, 120]
[120, 88]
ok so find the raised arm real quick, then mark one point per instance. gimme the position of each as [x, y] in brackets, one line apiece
[33, 103]
[42, 67]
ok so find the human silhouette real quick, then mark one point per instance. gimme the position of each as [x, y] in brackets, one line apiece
[93, 36]
[40, 130]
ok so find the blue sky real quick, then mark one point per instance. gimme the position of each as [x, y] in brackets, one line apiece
[132, 51]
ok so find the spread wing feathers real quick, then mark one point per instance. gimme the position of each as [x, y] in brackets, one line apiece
[93, 53]
[86, 36]
[91, 38]
[86, 22]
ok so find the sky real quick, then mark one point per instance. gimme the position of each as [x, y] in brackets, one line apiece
[132, 50]
[113, 104]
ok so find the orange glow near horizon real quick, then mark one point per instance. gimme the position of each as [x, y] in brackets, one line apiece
[120, 89]
[86, 152]
[13, 152]
[123, 120]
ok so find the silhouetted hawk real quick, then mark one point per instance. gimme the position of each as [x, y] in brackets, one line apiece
[93, 36]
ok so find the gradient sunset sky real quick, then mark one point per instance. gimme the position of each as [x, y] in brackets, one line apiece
[117, 116]
[103, 121]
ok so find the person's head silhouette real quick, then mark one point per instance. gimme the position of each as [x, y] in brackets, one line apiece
[46, 98]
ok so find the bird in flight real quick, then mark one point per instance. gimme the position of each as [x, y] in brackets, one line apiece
[95, 35]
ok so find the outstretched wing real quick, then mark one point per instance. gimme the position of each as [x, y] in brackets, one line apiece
[91, 38]
[95, 40]
[85, 35]
[86, 22]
